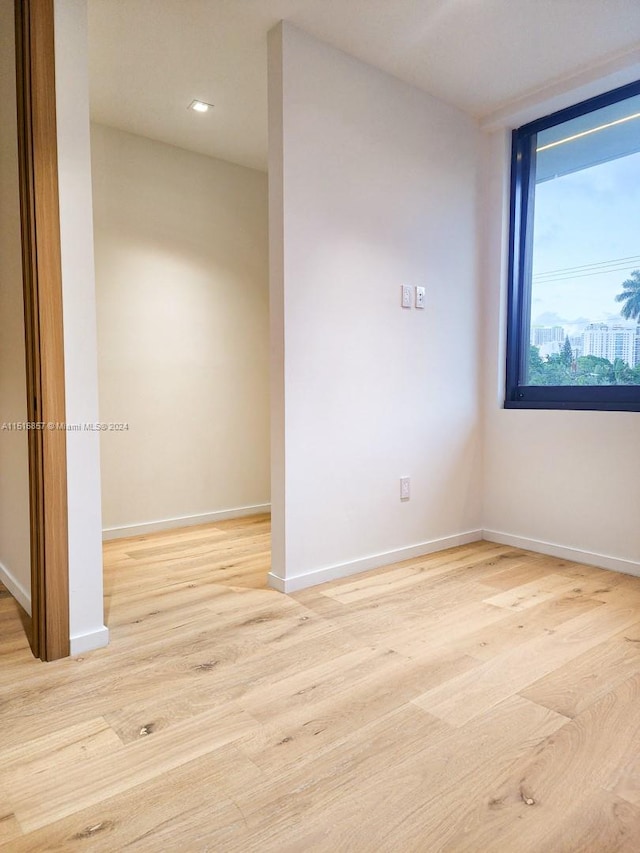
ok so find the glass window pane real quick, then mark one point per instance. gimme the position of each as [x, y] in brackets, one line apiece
[585, 270]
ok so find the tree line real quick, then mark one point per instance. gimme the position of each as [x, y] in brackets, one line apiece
[563, 369]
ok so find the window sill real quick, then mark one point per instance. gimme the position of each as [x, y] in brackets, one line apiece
[575, 405]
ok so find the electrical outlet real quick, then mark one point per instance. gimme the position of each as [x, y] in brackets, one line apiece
[405, 488]
[420, 293]
[406, 296]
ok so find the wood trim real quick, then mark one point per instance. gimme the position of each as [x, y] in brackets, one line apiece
[42, 277]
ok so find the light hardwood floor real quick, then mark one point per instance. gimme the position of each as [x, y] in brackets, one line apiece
[481, 699]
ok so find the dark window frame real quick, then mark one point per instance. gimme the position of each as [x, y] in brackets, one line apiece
[518, 396]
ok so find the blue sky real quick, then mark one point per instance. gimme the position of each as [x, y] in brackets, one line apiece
[590, 216]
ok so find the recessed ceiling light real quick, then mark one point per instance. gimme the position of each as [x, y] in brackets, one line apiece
[200, 106]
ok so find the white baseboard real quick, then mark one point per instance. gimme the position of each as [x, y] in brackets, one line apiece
[375, 561]
[601, 561]
[17, 590]
[82, 643]
[183, 521]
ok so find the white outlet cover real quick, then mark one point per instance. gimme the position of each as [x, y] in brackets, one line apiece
[406, 296]
[420, 294]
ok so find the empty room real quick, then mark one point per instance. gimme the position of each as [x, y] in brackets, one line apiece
[320, 396]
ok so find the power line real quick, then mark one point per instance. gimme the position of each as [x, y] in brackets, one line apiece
[631, 258]
[580, 275]
[591, 270]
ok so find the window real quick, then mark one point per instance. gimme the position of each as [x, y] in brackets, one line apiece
[573, 339]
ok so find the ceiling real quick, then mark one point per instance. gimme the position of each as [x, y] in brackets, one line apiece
[150, 58]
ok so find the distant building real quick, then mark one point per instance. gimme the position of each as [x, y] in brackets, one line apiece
[551, 348]
[547, 335]
[576, 345]
[603, 341]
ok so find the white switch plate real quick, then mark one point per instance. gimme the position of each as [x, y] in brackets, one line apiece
[406, 296]
[405, 488]
[420, 297]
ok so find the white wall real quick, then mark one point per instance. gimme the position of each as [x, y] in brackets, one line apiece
[377, 188]
[554, 480]
[15, 567]
[182, 284]
[78, 304]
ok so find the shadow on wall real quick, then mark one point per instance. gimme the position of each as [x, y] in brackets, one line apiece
[182, 289]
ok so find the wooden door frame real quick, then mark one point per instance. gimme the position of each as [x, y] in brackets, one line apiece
[42, 287]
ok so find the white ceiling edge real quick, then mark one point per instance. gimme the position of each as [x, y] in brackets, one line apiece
[262, 170]
[588, 83]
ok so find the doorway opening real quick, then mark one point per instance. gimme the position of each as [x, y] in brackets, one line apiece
[181, 258]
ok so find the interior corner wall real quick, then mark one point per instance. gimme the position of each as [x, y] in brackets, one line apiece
[377, 184]
[15, 549]
[276, 305]
[183, 330]
[562, 482]
[79, 314]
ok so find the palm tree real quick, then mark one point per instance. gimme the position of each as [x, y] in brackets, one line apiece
[631, 297]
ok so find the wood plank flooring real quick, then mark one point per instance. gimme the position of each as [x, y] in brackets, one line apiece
[480, 699]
